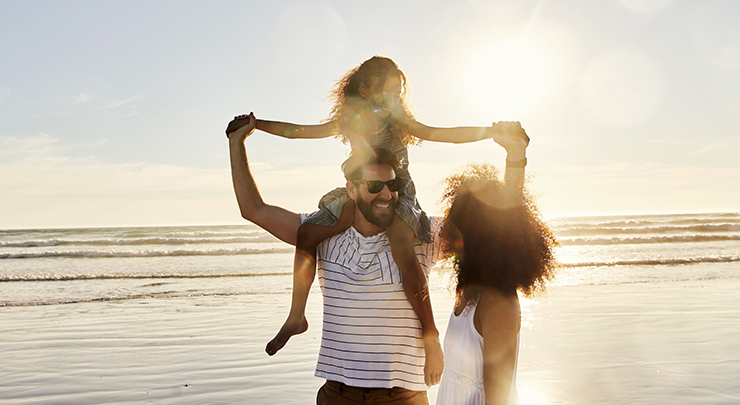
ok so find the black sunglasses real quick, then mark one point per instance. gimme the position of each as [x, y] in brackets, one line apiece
[376, 186]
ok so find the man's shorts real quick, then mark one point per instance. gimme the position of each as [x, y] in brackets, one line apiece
[335, 393]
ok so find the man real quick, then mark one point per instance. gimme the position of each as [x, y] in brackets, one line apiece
[371, 348]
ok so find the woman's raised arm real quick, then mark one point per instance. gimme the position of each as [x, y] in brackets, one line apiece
[512, 137]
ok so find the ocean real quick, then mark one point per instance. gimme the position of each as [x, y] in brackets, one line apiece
[62, 266]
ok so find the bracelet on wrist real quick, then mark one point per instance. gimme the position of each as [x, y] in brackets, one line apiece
[519, 164]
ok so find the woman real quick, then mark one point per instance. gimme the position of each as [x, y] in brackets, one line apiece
[499, 245]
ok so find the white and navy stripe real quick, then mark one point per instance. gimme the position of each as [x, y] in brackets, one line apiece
[371, 335]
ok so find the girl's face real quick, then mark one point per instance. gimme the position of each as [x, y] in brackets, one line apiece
[385, 99]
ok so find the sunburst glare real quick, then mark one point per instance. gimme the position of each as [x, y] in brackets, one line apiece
[530, 396]
[506, 80]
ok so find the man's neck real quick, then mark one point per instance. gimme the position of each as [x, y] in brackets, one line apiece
[364, 227]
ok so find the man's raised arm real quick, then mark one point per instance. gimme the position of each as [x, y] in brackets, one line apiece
[276, 220]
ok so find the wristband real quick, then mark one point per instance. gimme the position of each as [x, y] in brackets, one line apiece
[519, 164]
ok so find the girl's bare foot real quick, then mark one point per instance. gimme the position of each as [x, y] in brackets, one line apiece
[289, 329]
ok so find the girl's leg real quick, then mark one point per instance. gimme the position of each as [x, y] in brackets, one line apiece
[402, 239]
[304, 271]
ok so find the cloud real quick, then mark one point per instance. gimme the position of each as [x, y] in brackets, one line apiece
[712, 146]
[21, 147]
[117, 104]
[4, 91]
[646, 6]
[14, 149]
[82, 98]
[50, 186]
[43, 166]
[49, 189]
[632, 187]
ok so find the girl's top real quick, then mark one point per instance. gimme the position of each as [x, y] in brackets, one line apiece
[462, 380]
[330, 206]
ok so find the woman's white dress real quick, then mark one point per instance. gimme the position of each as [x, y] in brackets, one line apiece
[462, 380]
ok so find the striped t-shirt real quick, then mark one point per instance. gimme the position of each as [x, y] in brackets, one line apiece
[371, 335]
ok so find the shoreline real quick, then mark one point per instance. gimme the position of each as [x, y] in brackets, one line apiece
[660, 342]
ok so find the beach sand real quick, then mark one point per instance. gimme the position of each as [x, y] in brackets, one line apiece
[642, 343]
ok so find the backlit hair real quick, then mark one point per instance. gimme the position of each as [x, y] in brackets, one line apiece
[373, 74]
[492, 245]
[361, 157]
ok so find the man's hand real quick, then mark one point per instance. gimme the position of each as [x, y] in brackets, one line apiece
[434, 362]
[512, 137]
[241, 126]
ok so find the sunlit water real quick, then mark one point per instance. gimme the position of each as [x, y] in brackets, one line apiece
[40, 267]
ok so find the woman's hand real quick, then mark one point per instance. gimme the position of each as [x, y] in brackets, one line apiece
[512, 137]
[241, 127]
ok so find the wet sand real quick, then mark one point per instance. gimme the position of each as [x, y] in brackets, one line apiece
[661, 342]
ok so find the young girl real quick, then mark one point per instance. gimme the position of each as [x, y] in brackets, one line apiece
[499, 245]
[370, 110]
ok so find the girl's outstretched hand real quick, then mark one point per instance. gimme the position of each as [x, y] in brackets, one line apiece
[511, 136]
[241, 126]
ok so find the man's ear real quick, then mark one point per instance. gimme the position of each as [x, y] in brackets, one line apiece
[351, 190]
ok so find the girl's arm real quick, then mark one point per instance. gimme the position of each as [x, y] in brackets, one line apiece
[452, 135]
[498, 319]
[288, 130]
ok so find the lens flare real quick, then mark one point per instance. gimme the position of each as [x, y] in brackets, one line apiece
[530, 396]
[506, 80]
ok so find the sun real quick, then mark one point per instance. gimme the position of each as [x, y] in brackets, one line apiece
[506, 80]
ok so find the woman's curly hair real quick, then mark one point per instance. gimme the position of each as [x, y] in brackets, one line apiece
[492, 245]
[372, 73]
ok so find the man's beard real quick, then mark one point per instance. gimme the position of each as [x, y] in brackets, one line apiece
[381, 220]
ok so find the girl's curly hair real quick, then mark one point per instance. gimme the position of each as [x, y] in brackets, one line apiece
[494, 246]
[372, 73]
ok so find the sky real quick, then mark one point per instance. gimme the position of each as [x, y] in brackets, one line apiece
[113, 113]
